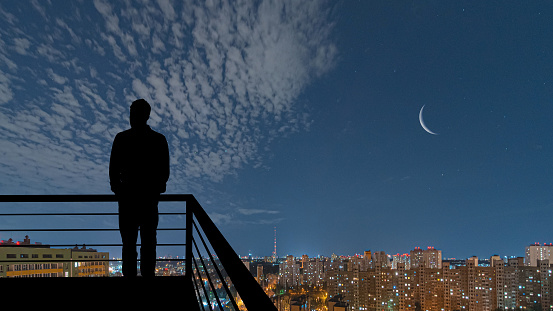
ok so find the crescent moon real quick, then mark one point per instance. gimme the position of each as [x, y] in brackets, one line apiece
[424, 125]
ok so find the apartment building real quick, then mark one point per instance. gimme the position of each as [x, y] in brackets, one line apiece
[23, 259]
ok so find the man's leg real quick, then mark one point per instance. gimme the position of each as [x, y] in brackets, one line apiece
[128, 227]
[148, 239]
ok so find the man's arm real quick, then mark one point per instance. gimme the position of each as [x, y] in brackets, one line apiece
[165, 166]
[115, 165]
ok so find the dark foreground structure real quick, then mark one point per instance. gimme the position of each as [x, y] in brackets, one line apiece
[214, 279]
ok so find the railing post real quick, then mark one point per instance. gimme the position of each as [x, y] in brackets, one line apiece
[190, 208]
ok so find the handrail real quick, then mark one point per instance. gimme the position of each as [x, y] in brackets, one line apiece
[57, 198]
[219, 274]
[251, 293]
[74, 214]
[80, 198]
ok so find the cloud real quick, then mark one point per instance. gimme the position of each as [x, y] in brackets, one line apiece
[167, 9]
[55, 77]
[223, 80]
[6, 93]
[21, 45]
[225, 219]
[245, 211]
[220, 219]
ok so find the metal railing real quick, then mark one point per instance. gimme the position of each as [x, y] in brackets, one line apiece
[219, 278]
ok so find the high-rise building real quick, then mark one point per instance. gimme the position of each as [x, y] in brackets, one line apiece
[362, 287]
[380, 259]
[432, 258]
[430, 285]
[289, 272]
[260, 275]
[401, 258]
[429, 258]
[463, 287]
[337, 277]
[527, 287]
[312, 271]
[367, 258]
[545, 281]
[537, 252]
[416, 257]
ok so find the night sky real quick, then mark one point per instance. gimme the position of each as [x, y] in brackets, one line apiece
[302, 115]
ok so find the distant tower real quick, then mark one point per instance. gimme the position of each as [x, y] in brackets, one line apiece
[274, 251]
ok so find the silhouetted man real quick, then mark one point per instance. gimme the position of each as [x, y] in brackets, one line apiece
[138, 173]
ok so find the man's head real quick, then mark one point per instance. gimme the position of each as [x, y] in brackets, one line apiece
[140, 112]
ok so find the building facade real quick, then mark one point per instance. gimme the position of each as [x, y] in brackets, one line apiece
[537, 252]
[23, 259]
[498, 286]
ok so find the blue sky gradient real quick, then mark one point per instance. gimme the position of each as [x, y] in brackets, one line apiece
[297, 114]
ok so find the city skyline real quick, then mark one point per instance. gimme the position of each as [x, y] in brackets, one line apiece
[538, 251]
[370, 281]
[307, 116]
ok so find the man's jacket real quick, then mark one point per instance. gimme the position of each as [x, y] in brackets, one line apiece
[139, 162]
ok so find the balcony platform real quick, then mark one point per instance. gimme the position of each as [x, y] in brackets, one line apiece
[102, 293]
[221, 275]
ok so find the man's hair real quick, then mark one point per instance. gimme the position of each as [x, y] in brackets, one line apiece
[142, 107]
